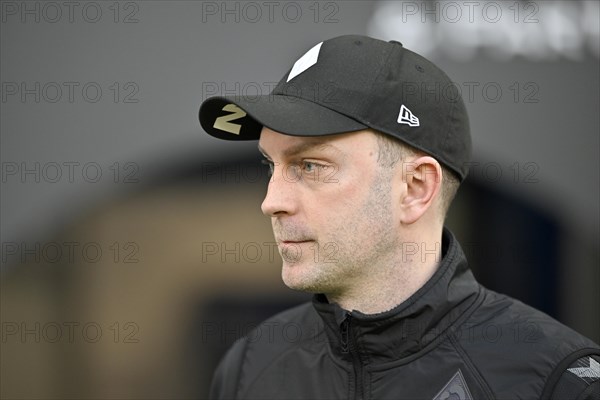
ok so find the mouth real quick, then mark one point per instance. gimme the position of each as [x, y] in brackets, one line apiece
[289, 242]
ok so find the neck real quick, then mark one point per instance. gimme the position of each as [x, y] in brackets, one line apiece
[392, 281]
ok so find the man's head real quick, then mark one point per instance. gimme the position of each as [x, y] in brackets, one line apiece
[368, 142]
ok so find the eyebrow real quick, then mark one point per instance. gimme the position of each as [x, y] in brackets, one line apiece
[302, 147]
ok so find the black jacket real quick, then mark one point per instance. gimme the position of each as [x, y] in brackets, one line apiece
[453, 339]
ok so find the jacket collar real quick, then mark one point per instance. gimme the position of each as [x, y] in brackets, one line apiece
[410, 326]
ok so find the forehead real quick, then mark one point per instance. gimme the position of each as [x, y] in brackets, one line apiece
[278, 143]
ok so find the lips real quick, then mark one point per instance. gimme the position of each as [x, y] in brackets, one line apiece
[295, 241]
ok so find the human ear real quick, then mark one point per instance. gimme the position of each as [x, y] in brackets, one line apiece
[423, 180]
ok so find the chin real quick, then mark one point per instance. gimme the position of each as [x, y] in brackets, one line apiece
[297, 277]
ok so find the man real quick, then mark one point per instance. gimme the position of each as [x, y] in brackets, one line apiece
[367, 143]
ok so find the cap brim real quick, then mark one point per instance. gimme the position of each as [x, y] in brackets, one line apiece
[242, 118]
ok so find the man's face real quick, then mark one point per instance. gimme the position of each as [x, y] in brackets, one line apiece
[331, 209]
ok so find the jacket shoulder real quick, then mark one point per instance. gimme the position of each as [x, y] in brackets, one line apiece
[263, 345]
[517, 348]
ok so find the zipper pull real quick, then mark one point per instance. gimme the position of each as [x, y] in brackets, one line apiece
[345, 332]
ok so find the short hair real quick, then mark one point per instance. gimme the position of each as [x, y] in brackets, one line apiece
[392, 150]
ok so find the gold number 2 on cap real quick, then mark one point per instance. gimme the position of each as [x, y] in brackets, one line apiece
[222, 123]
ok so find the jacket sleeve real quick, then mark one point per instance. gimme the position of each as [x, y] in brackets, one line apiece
[577, 377]
[226, 377]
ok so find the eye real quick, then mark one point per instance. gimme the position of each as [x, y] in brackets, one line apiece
[315, 171]
[270, 164]
[310, 166]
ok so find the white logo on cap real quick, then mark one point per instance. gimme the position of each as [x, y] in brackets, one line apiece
[407, 117]
[305, 62]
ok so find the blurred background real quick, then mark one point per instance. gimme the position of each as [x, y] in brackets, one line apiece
[134, 251]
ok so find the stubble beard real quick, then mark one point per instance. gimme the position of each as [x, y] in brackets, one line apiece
[336, 266]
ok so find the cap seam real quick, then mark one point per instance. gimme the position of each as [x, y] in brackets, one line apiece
[379, 73]
[448, 134]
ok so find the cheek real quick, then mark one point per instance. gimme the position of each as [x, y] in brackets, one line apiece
[339, 211]
[342, 206]
[355, 192]
[349, 192]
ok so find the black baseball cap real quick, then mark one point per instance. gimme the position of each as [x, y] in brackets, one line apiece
[350, 83]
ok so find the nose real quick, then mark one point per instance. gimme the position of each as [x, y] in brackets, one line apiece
[281, 197]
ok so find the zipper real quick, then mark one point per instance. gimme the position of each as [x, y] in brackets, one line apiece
[349, 346]
[345, 330]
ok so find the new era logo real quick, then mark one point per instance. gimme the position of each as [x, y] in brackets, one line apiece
[407, 117]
